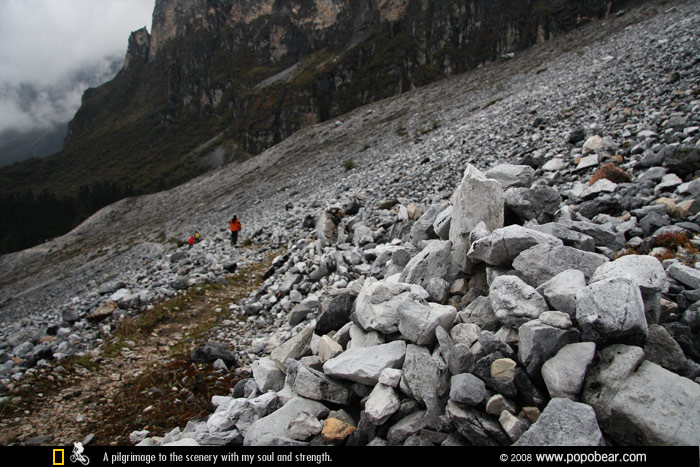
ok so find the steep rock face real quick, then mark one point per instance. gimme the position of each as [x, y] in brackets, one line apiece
[253, 72]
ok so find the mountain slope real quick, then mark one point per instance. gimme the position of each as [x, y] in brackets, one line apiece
[247, 77]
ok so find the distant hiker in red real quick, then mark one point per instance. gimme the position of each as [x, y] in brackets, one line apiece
[191, 241]
[234, 225]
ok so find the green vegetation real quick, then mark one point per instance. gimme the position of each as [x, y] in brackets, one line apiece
[348, 164]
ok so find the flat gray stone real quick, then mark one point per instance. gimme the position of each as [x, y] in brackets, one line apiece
[510, 175]
[540, 342]
[564, 423]
[542, 262]
[505, 244]
[643, 403]
[684, 274]
[478, 428]
[467, 389]
[365, 364]
[533, 203]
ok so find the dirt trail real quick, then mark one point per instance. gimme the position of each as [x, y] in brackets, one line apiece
[140, 379]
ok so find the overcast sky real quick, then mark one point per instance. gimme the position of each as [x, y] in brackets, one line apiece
[43, 43]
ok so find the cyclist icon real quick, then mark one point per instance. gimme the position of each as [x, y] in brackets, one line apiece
[78, 456]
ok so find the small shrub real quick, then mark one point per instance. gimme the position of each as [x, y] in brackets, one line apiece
[611, 172]
[348, 164]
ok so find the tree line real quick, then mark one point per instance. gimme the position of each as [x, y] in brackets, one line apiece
[29, 219]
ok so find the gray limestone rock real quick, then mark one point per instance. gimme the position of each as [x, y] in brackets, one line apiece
[560, 291]
[647, 272]
[376, 308]
[438, 289]
[542, 262]
[663, 350]
[467, 389]
[381, 404]
[294, 348]
[480, 312]
[406, 427]
[312, 384]
[418, 321]
[423, 229]
[564, 423]
[365, 364]
[533, 203]
[512, 425]
[477, 199]
[267, 375]
[643, 403]
[423, 374]
[442, 224]
[433, 261]
[477, 427]
[510, 175]
[684, 274]
[268, 430]
[612, 311]
[565, 372]
[303, 427]
[539, 343]
[505, 244]
[514, 302]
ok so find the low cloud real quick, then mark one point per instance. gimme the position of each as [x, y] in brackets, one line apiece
[52, 50]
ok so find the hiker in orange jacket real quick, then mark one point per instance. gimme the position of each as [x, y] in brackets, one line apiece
[235, 227]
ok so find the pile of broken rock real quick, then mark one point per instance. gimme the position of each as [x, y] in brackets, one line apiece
[452, 329]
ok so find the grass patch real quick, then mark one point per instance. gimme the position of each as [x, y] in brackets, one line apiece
[348, 164]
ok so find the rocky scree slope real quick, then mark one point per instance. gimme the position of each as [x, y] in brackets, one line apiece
[453, 273]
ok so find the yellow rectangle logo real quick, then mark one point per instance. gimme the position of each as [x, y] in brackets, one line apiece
[62, 455]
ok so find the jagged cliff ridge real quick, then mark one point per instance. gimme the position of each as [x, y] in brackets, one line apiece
[250, 73]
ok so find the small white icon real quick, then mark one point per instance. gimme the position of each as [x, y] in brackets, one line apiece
[78, 456]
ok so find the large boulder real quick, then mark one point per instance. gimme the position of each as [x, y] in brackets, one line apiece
[539, 342]
[639, 402]
[514, 302]
[433, 261]
[612, 311]
[564, 423]
[272, 429]
[477, 199]
[267, 375]
[418, 321]
[565, 372]
[365, 364]
[647, 272]
[312, 384]
[376, 307]
[424, 375]
[505, 244]
[539, 204]
[542, 262]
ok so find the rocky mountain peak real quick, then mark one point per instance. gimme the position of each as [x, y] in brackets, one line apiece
[139, 47]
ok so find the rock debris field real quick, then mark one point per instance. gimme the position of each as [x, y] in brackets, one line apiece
[509, 258]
